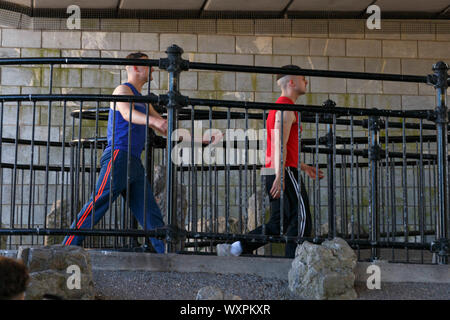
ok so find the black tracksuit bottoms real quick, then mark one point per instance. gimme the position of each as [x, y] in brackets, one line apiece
[295, 222]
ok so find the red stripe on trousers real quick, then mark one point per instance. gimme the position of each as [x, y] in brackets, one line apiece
[99, 193]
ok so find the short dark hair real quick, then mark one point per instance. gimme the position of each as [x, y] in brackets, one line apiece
[290, 67]
[13, 278]
[136, 55]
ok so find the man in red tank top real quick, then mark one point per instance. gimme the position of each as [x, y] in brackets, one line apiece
[295, 222]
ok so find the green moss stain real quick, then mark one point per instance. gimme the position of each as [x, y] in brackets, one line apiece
[216, 82]
[220, 94]
[37, 76]
[309, 98]
[254, 81]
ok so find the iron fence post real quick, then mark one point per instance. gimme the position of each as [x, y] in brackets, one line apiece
[174, 64]
[440, 81]
[330, 174]
[374, 205]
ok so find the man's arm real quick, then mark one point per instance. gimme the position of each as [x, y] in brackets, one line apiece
[288, 119]
[137, 117]
[152, 112]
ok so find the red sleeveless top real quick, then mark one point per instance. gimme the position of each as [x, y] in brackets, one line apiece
[292, 143]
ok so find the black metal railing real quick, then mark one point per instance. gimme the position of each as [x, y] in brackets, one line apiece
[385, 189]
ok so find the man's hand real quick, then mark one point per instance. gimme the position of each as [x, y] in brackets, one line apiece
[160, 125]
[311, 172]
[275, 191]
[215, 138]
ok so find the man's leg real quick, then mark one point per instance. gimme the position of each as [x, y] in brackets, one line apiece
[300, 221]
[101, 203]
[153, 218]
[273, 226]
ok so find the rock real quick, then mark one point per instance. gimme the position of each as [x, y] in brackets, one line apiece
[212, 293]
[209, 293]
[3, 240]
[324, 227]
[51, 270]
[57, 220]
[219, 226]
[323, 271]
[159, 191]
[252, 210]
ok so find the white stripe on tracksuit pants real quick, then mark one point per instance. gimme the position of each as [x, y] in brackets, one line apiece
[295, 222]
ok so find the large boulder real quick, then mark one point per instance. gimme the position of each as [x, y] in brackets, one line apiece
[323, 271]
[63, 271]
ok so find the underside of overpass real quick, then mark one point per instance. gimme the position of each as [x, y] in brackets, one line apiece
[213, 9]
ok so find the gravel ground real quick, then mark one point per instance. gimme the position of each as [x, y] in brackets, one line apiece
[144, 285]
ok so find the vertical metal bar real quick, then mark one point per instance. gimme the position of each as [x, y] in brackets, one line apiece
[282, 174]
[393, 201]
[94, 164]
[77, 158]
[263, 177]
[62, 163]
[202, 193]
[14, 175]
[421, 190]
[246, 146]
[299, 165]
[191, 176]
[374, 154]
[441, 84]
[193, 207]
[415, 189]
[21, 205]
[175, 67]
[317, 215]
[227, 179]
[111, 175]
[148, 169]
[352, 185]
[1, 161]
[331, 172]
[358, 204]
[127, 207]
[404, 186]
[48, 146]
[210, 177]
[31, 162]
[333, 146]
[386, 166]
[216, 200]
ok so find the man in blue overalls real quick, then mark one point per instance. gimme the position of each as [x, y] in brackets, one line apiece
[118, 159]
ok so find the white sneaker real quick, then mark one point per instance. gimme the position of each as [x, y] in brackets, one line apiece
[223, 250]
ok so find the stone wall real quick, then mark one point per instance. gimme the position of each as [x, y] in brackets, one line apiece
[405, 47]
